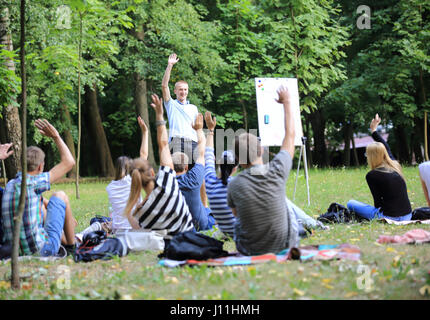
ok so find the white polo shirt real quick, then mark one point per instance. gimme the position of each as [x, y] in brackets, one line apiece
[181, 116]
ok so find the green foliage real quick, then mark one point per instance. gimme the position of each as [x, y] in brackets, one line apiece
[10, 83]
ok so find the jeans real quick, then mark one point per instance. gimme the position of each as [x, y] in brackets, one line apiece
[185, 146]
[370, 212]
[55, 215]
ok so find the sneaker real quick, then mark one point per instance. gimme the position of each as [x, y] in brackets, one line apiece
[70, 249]
[62, 252]
[96, 226]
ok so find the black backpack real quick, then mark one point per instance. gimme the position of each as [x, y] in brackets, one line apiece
[337, 213]
[422, 213]
[193, 245]
[96, 245]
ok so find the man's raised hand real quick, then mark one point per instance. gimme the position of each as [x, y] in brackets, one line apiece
[142, 124]
[4, 151]
[374, 123]
[283, 95]
[210, 122]
[198, 123]
[157, 104]
[46, 128]
[172, 59]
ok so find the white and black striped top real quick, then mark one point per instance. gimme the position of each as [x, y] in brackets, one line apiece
[165, 208]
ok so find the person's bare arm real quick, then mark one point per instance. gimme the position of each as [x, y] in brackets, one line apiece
[144, 143]
[288, 141]
[67, 161]
[4, 151]
[165, 82]
[210, 123]
[162, 138]
[201, 142]
[233, 210]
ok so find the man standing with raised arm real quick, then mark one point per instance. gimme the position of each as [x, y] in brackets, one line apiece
[180, 113]
[40, 234]
[257, 194]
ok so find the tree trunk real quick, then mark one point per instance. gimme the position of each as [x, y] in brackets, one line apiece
[354, 149]
[141, 101]
[15, 280]
[318, 128]
[97, 133]
[10, 122]
[347, 131]
[68, 138]
[403, 145]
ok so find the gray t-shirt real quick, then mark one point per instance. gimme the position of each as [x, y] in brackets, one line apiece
[258, 194]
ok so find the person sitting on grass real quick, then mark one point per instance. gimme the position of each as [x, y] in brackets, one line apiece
[191, 180]
[216, 187]
[257, 194]
[387, 185]
[41, 233]
[164, 206]
[118, 191]
[119, 188]
[424, 172]
[5, 152]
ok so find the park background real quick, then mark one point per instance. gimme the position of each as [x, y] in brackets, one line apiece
[350, 64]
[351, 61]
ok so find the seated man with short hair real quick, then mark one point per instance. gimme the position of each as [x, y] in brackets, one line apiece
[41, 232]
[257, 194]
[190, 181]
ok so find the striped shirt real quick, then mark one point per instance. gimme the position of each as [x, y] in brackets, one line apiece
[165, 208]
[217, 195]
[32, 233]
[258, 194]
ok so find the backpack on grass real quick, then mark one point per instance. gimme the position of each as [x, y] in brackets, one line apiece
[96, 245]
[422, 213]
[193, 245]
[337, 213]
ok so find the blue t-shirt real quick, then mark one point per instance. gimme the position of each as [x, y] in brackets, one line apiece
[190, 184]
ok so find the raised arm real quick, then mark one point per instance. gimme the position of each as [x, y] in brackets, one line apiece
[4, 151]
[165, 82]
[210, 123]
[67, 161]
[288, 141]
[377, 137]
[201, 142]
[144, 143]
[162, 138]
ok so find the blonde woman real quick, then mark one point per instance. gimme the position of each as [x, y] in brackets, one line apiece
[164, 207]
[388, 187]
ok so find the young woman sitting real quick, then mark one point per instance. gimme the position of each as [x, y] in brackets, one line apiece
[216, 187]
[164, 207]
[388, 187]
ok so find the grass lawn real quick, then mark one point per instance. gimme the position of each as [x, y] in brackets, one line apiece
[389, 271]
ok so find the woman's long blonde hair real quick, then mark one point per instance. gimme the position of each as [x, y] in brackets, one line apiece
[140, 177]
[377, 157]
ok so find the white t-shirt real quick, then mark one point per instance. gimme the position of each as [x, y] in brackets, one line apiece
[118, 193]
[181, 116]
[424, 169]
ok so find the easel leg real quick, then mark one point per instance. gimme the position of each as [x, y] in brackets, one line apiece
[306, 171]
[297, 174]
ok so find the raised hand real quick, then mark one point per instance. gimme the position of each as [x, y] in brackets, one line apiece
[374, 123]
[4, 151]
[46, 128]
[283, 95]
[157, 104]
[172, 59]
[198, 123]
[142, 124]
[210, 122]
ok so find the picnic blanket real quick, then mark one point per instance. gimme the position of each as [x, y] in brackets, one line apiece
[312, 252]
[412, 236]
[402, 223]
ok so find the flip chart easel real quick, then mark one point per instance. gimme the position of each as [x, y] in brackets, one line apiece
[271, 118]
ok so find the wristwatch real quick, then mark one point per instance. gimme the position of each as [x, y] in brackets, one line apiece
[160, 123]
